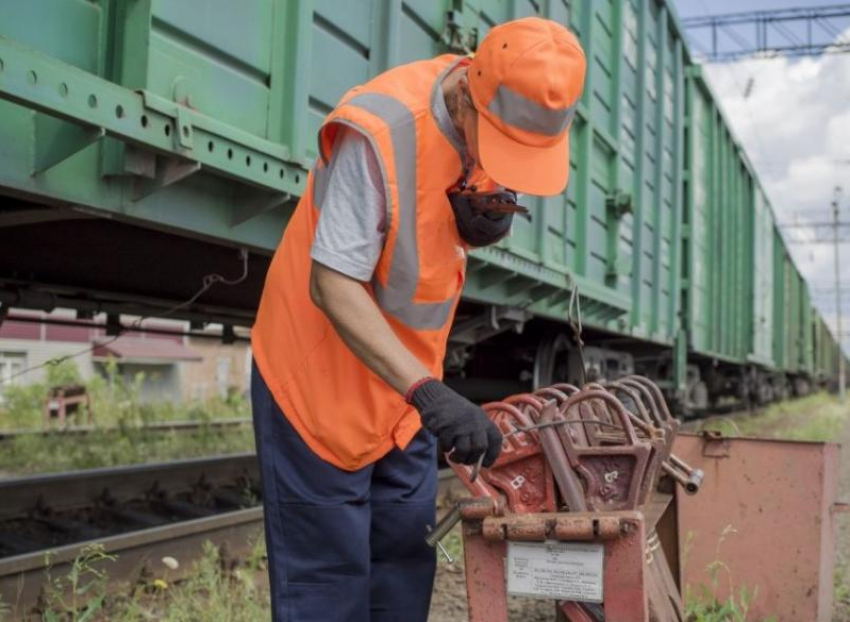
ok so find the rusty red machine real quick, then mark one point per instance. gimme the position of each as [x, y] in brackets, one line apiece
[569, 511]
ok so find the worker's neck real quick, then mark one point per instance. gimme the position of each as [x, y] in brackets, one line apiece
[453, 95]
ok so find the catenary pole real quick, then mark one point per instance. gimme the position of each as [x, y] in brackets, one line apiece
[841, 388]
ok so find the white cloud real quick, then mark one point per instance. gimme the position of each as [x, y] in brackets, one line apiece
[795, 125]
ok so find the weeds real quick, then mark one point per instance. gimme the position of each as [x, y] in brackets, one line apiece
[209, 594]
[79, 595]
[117, 404]
[818, 417]
[116, 401]
[702, 603]
[841, 589]
[453, 543]
[57, 452]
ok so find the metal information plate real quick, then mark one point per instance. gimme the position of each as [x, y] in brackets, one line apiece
[557, 570]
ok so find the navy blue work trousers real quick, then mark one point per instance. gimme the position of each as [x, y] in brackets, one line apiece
[344, 546]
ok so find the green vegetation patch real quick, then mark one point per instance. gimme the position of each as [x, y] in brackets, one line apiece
[29, 455]
[121, 418]
[819, 417]
[214, 590]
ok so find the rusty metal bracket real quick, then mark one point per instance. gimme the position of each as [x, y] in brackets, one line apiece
[715, 445]
[566, 527]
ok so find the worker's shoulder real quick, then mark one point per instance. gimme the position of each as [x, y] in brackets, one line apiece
[404, 92]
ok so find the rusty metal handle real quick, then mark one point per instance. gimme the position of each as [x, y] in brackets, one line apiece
[565, 476]
[689, 480]
[694, 476]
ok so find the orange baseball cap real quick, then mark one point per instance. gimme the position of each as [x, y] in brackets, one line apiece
[525, 81]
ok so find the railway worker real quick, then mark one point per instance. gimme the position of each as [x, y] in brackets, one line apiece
[358, 302]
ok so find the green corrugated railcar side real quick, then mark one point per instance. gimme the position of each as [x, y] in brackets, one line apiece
[807, 348]
[231, 104]
[825, 348]
[762, 279]
[793, 345]
[794, 317]
[615, 231]
[817, 344]
[718, 209]
[781, 312]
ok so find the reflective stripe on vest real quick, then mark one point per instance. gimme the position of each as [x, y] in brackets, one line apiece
[397, 297]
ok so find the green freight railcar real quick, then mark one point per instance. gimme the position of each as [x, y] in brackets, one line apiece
[761, 229]
[718, 204]
[139, 115]
[807, 348]
[734, 263]
[826, 351]
[793, 321]
[144, 145]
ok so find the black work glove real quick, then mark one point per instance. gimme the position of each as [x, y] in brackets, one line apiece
[457, 423]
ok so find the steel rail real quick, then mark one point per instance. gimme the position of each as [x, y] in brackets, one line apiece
[139, 555]
[60, 492]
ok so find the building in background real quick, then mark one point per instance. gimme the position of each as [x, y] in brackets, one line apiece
[224, 369]
[176, 368]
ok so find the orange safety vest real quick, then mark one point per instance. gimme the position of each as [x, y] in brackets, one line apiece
[343, 411]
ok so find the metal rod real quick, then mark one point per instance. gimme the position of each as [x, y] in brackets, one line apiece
[566, 478]
[443, 527]
[841, 389]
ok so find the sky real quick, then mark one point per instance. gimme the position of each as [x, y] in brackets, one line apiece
[793, 118]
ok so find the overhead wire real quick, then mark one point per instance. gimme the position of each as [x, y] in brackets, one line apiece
[742, 90]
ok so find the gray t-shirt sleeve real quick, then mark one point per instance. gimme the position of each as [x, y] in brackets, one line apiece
[353, 215]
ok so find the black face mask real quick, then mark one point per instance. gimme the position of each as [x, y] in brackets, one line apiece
[484, 218]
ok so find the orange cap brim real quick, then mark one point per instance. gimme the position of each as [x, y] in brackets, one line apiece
[542, 171]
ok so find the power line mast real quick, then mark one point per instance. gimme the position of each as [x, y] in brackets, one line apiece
[799, 31]
[836, 196]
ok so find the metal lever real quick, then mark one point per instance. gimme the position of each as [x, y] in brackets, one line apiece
[435, 535]
[440, 546]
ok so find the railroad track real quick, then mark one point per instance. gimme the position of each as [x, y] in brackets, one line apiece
[141, 514]
[163, 426]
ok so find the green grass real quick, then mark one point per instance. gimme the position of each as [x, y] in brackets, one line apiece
[116, 401]
[56, 452]
[841, 593]
[453, 544]
[701, 604]
[818, 417]
[121, 417]
[213, 591]
[210, 594]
